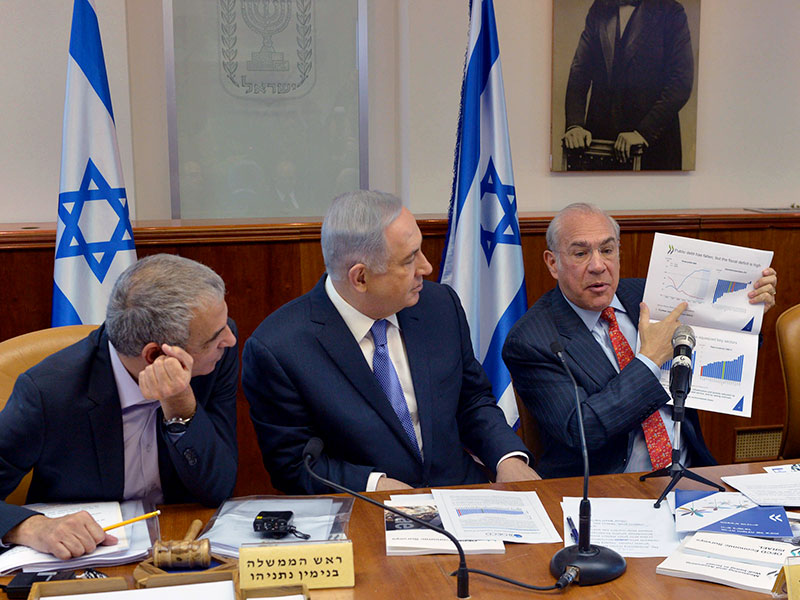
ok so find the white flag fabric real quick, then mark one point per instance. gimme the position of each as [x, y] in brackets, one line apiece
[483, 253]
[94, 239]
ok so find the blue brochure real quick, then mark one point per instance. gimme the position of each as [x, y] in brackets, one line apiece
[728, 512]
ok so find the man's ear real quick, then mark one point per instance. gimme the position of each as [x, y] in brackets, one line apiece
[151, 352]
[357, 277]
[550, 262]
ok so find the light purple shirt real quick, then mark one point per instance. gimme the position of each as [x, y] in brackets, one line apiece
[139, 416]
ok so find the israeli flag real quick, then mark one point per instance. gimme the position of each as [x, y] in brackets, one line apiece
[94, 239]
[483, 254]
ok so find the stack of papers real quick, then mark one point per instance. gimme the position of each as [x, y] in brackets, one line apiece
[404, 537]
[481, 520]
[731, 544]
[632, 527]
[215, 590]
[738, 561]
[776, 489]
[232, 524]
[134, 539]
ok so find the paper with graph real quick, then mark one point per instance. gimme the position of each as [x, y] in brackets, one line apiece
[714, 279]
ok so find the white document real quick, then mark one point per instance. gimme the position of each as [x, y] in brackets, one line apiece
[632, 527]
[407, 538]
[714, 279]
[233, 525]
[495, 515]
[134, 539]
[215, 590]
[783, 468]
[754, 578]
[741, 548]
[768, 489]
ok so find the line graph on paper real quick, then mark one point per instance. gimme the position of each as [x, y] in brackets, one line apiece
[687, 286]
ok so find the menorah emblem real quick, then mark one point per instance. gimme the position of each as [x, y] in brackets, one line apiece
[267, 18]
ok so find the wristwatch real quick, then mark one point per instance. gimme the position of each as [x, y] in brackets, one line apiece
[178, 424]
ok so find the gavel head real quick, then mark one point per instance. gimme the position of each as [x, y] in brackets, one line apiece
[182, 554]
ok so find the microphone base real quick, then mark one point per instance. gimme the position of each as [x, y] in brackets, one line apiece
[597, 565]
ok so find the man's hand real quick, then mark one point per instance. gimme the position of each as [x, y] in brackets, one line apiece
[515, 469]
[387, 483]
[167, 380]
[626, 140]
[63, 537]
[656, 338]
[764, 289]
[577, 137]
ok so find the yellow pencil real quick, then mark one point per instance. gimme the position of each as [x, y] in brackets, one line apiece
[155, 513]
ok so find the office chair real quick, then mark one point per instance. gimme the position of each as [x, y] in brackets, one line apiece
[528, 428]
[787, 327]
[19, 354]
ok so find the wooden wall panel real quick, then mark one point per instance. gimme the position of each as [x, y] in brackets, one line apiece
[265, 265]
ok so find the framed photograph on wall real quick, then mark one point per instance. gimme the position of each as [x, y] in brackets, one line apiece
[624, 85]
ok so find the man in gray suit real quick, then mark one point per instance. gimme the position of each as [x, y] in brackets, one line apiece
[596, 316]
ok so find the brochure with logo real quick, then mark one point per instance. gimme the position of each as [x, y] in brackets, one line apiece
[728, 512]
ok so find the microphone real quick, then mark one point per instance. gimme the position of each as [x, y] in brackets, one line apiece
[680, 373]
[595, 564]
[311, 452]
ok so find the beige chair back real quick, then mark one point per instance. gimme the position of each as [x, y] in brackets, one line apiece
[19, 354]
[787, 327]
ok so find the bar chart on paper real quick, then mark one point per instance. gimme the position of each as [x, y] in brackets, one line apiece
[727, 370]
[723, 373]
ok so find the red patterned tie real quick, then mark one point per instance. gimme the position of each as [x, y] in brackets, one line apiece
[655, 433]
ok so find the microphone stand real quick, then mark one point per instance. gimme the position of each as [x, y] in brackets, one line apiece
[462, 574]
[595, 564]
[676, 470]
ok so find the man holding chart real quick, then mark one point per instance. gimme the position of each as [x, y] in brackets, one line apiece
[144, 407]
[597, 317]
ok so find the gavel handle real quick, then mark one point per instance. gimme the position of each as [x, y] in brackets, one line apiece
[193, 530]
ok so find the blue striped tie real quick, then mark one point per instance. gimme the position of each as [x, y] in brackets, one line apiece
[387, 378]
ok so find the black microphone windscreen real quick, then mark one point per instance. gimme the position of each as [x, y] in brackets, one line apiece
[313, 448]
[556, 347]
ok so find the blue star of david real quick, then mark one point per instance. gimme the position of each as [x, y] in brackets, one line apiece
[507, 230]
[73, 242]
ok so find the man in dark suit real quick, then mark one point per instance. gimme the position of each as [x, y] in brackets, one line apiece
[144, 407]
[622, 399]
[378, 364]
[635, 56]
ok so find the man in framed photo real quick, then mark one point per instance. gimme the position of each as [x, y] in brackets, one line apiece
[632, 72]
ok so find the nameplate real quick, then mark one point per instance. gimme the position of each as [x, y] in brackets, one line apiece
[316, 564]
[788, 580]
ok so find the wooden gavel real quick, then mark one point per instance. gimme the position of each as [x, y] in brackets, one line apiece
[187, 553]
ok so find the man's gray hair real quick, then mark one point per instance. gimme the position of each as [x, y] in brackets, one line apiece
[553, 235]
[353, 231]
[155, 300]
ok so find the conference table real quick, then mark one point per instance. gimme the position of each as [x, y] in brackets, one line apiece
[378, 576]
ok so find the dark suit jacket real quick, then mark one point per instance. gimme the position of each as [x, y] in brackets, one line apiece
[305, 376]
[639, 86]
[613, 404]
[64, 420]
